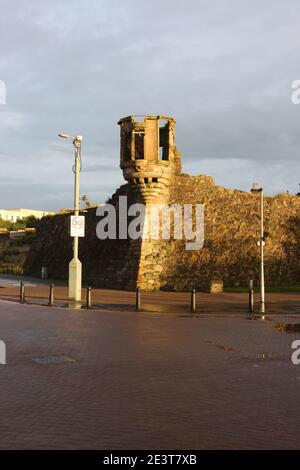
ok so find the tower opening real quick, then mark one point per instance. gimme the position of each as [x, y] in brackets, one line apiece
[163, 139]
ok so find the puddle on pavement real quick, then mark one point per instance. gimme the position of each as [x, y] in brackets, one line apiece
[164, 308]
[75, 305]
[52, 360]
[224, 347]
[261, 358]
[288, 327]
[191, 315]
[259, 317]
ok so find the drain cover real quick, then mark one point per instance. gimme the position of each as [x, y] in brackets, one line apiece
[52, 359]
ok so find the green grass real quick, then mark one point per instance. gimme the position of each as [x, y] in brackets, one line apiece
[271, 289]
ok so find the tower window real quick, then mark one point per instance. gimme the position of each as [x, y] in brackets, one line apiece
[139, 146]
[127, 146]
[164, 141]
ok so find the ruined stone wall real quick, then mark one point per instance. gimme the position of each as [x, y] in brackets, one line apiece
[105, 263]
[14, 251]
[230, 249]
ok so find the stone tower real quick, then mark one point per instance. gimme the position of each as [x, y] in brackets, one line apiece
[149, 158]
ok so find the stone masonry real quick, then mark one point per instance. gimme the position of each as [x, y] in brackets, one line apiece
[151, 166]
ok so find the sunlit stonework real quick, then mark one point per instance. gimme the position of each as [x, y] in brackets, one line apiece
[149, 158]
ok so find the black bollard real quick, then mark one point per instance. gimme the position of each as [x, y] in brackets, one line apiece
[89, 297]
[193, 300]
[138, 299]
[22, 293]
[51, 295]
[251, 297]
[251, 301]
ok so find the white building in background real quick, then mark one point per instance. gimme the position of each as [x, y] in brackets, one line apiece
[13, 215]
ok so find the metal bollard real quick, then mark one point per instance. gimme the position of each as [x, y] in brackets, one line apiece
[22, 293]
[51, 296]
[138, 299]
[251, 298]
[193, 300]
[251, 301]
[89, 297]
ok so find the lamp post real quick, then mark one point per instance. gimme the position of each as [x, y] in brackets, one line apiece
[75, 264]
[257, 189]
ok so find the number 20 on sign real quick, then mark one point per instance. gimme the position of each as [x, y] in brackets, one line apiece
[77, 226]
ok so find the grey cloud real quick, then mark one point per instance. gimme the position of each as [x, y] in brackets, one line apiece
[101, 167]
[223, 69]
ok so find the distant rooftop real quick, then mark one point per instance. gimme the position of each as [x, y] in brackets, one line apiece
[27, 210]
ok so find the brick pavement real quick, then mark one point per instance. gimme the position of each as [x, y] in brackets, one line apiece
[143, 380]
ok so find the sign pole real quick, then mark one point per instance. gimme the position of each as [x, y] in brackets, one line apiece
[75, 265]
[262, 242]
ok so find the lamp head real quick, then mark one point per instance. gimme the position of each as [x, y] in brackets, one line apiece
[77, 141]
[256, 188]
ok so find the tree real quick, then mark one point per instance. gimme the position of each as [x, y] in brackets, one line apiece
[84, 198]
[31, 222]
[26, 222]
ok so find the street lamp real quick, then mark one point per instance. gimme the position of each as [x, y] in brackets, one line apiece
[257, 189]
[75, 264]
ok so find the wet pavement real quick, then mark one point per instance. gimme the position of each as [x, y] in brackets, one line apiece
[37, 292]
[80, 379]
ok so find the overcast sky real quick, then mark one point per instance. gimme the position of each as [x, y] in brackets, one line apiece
[223, 69]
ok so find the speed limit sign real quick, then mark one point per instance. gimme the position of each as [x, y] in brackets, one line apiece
[77, 226]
